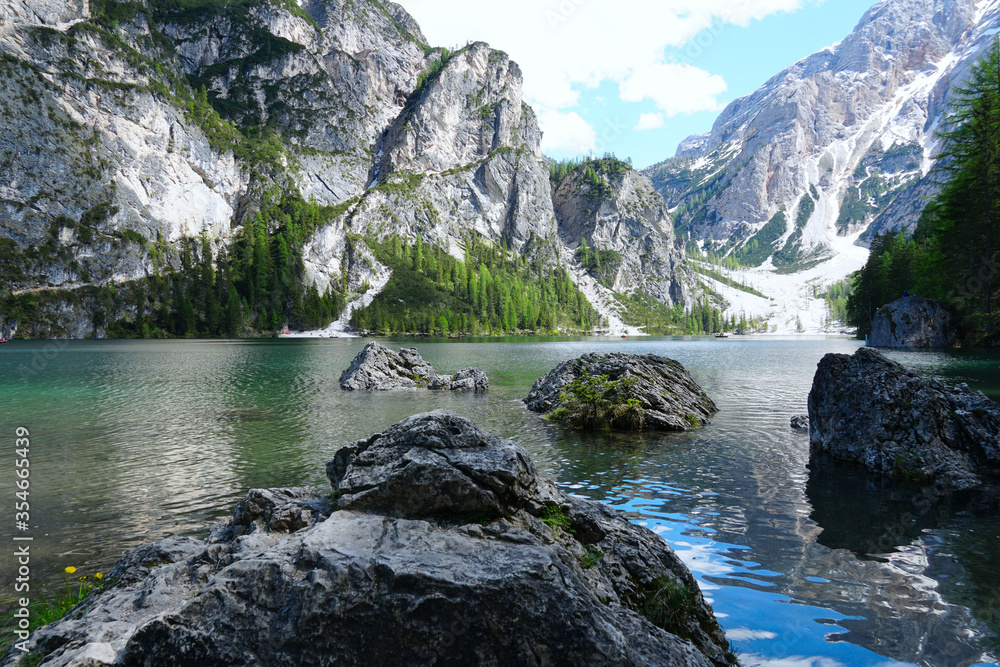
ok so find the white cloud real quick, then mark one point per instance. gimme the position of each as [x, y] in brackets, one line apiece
[650, 121]
[566, 132]
[650, 48]
[565, 43]
[676, 89]
[794, 661]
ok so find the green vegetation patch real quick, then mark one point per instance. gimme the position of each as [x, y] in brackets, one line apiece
[791, 254]
[50, 607]
[725, 280]
[640, 309]
[667, 604]
[554, 518]
[255, 286]
[592, 556]
[836, 297]
[761, 245]
[490, 291]
[603, 265]
[598, 174]
[598, 402]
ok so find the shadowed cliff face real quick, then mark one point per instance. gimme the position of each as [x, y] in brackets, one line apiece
[851, 128]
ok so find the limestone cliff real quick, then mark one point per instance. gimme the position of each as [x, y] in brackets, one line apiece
[136, 137]
[842, 143]
[621, 217]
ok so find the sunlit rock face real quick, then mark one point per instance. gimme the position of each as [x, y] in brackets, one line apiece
[842, 142]
[115, 165]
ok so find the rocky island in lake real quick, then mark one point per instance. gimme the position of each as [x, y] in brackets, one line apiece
[870, 409]
[913, 321]
[622, 391]
[440, 544]
[377, 368]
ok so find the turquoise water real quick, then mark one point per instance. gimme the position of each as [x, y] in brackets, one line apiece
[137, 440]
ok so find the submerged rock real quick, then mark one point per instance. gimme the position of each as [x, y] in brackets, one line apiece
[377, 368]
[913, 322]
[800, 423]
[662, 393]
[870, 409]
[445, 547]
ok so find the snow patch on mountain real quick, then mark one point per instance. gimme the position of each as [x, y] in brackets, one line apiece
[791, 305]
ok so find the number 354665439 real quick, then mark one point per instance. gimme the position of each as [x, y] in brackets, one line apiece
[22, 465]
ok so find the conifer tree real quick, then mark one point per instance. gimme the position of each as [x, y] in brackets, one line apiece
[964, 222]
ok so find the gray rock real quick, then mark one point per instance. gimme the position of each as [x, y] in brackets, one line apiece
[670, 398]
[633, 220]
[913, 322]
[467, 379]
[800, 423]
[377, 368]
[436, 465]
[870, 409]
[380, 587]
[275, 511]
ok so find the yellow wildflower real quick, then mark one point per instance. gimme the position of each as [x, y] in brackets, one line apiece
[98, 576]
[70, 570]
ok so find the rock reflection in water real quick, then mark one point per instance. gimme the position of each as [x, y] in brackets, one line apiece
[870, 514]
[903, 541]
[829, 545]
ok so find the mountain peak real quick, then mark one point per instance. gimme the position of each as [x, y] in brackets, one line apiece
[832, 150]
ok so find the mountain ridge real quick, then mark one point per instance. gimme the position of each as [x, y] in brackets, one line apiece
[144, 138]
[798, 176]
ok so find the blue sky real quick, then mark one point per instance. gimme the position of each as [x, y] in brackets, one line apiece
[635, 77]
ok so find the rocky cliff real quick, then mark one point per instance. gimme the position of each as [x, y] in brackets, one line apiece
[834, 149]
[626, 225]
[135, 132]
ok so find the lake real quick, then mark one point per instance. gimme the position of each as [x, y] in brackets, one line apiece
[133, 441]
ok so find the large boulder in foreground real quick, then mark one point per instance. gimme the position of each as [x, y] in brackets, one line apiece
[870, 409]
[444, 547]
[913, 321]
[623, 391]
[377, 368]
